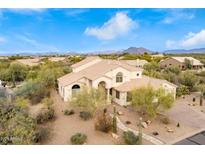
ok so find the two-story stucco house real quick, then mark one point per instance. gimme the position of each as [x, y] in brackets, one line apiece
[117, 77]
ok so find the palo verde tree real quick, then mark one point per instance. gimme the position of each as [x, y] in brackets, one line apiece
[17, 72]
[189, 79]
[150, 101]
[90, 99]
[188, 63]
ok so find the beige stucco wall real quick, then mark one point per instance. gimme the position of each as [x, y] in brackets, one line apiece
[127, 75]
[121, 100]
[108, 82]
[170, 62]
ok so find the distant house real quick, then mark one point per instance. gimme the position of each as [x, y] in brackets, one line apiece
[56, 59]
[136, 63]
[180, 62]
[30, 62]
[117, 78]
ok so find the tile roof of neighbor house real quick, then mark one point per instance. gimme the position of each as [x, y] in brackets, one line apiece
[56, 59]
[95, 71]
[140, 82]
[30, 62]
[136, 62]
[193, 60]
[84, 61]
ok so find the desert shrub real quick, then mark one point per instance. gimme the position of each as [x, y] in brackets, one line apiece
[165, 120]
[48, 102]
[130, 138]
[85, 115]
[78, 139]
[69, 112]
[182, 90]
[89, 99]
[35, 91]
[45, 115]
[41, 134]
[103, 122]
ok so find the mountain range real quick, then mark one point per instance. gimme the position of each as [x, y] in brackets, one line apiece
[131, 50]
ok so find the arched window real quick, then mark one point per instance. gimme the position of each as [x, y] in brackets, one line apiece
[75, 89]
[119, 77]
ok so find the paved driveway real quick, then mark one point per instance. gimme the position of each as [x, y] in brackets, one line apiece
[183, 113]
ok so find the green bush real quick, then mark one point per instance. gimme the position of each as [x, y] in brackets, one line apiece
[104, 122]
[78, 139]
[85, 115]
[69, 112]
[45, 115]
[165, 120]
[41, 134]
[130, 138]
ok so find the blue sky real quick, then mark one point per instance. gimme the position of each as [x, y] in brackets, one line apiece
[86, 30]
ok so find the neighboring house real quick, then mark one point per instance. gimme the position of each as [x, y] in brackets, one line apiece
[180, 62]
[30, 62]
[117, 77]
[135, 63]
[56, 59]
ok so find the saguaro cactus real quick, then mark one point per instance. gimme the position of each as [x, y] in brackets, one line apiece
[201, 100]
[140, 131]
[114, 121]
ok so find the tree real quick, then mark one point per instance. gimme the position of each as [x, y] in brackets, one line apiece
[17, 72]
[201, 88]
[188, 63]
[182, 90]
[189, 79]
[16, 125]
[90, 99]
[152, 66]
[151, 101]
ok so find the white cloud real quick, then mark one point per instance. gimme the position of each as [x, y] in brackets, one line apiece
[194, 39]
[23, 11]
[76, 12]
[118, 25]
[189, 40]
[2, 40]
[35, 44]
[173, 15]
[169, 44]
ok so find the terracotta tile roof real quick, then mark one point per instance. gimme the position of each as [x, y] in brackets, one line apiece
[95, 71]
[137, 62]
[193, 60]
[84, 61]
[140, 82]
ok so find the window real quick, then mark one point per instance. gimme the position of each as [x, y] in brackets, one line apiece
[118, 94]
[129, 96]
[111, 91]
[119, 77]
[75, 89]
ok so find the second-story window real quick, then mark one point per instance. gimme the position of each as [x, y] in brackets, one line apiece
[119, 77]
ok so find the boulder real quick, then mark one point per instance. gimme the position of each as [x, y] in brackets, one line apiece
[119, 113]
[115, 136]
[144, 125]
[169, 130]
[148, 122]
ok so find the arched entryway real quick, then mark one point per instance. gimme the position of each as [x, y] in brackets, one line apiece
[75, 89]
[102, 86]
